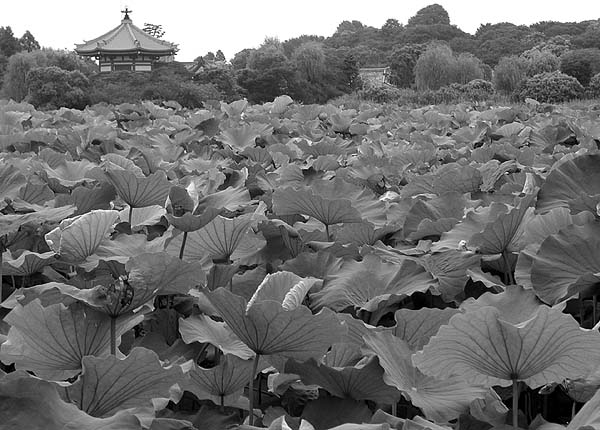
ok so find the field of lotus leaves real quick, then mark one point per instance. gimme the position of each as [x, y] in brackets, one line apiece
[290, 266]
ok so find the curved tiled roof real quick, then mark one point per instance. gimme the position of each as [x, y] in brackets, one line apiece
[126, 38]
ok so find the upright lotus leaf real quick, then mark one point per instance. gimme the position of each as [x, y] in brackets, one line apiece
[242, 136]
[343, 354]
[360, 233]
[52, 341]
[34, 404]
[89, 199]
[223, 383]
[435, 216]
[567, 263]
[359, 382]
[200, 328]
[416, 327]
[290, 201]
[355, 330]
[26, 263]
[365, 284]
[505, 233]
[11, 181]
[140, 192]
[473, 222]
[221, 239]
[36, 193]
[148, 215]
[448, 178]
[164, 273]
[68, 173]
[484, 349]
[12, 222]
[109, 384]
[76, 239]
[269, 329]
[440, 399]
[574, 184]
[313, 264]
[515, 304]
[450, 268]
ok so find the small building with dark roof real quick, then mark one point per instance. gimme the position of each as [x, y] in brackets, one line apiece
[127, 47]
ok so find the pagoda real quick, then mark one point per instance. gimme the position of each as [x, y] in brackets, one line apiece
[127, 47]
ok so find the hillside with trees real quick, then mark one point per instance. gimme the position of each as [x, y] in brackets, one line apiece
[430, 60]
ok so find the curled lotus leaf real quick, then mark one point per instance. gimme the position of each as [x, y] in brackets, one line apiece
[140, 192]
[484, 349]
[26, 263]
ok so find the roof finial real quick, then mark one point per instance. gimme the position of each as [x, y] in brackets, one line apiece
[127, 11]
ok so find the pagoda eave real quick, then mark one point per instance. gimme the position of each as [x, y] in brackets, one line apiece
[97, 53]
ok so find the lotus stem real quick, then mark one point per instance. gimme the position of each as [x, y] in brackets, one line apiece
[515, 404]
[185, 233]
[395, 409]
[130, 212]
[222, 405]
[510, 280]
[594, 309]
[573, 410]
[251, 390]
[113, 335]
[13, 282]
[327, 231]
[1, 284]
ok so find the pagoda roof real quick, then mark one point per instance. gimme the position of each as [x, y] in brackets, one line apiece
[126, 37]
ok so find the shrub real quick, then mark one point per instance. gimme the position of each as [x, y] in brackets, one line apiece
[593, 89]
[53, 87]
[509, 73]
[540, 62]
[553, 87]
[379, 94]
[477, 90]
[578, 65]
[438, 67]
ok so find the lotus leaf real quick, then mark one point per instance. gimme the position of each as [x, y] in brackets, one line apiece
[140, 192]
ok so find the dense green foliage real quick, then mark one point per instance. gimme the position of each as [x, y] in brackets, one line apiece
[551, 87]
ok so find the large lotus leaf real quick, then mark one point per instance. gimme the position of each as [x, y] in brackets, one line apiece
[567, 262]
[119, 162]
[189, 222]
[231, 198]
[89, 199]
[167, 274]
[34, 404]
[313, 264]
[221, 239]
[448, 178]
[343, 355]
[68, 173]
[333, 413]
[200, 328]
[474, 222]
[505, 233]
[360, 233]
[289, 201]
[269, 329]
[140, 192]
[11, 181]
[570, 182]
[12, 222]
[110, 384]
[36, 193]
[449, 268]
[242, 136]
[435, 216]
[27, 263]
[147, 215]
[52, 341]
[515, 304]
[482, 348]
[223, 383]
[360, 382]
[76, 239]
[355, 329]
[367, 283]
[416, 327]
[122, 248]
[543, 225]
[440, 399]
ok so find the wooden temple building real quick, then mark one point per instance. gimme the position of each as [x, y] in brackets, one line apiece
[127, 47]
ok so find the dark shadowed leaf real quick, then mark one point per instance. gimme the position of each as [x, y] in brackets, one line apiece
[33, 404]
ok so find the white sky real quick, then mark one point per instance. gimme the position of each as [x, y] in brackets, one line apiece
[201, 26]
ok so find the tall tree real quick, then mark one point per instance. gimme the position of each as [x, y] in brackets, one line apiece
[402, 64]
[219, 56]
[309, 59]
[28, 42]
[430, 15]
[9, 44]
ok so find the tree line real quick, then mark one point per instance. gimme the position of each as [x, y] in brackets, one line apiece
[428, 53]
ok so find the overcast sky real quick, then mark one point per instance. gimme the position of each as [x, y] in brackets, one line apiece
[201, 26]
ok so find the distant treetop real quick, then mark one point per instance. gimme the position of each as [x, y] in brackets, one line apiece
[430, 15]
